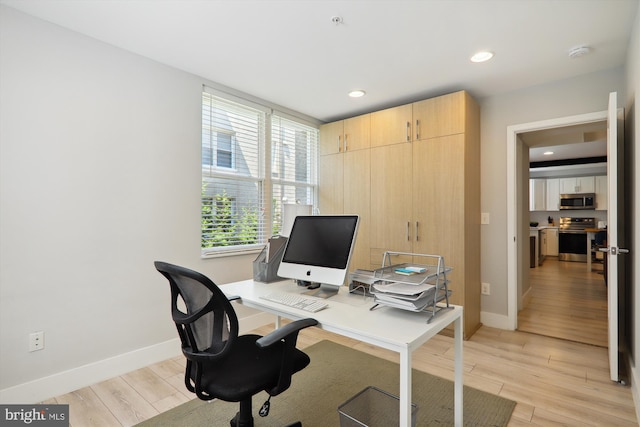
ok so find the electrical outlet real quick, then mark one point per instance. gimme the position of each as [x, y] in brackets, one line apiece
[486, 289]
[484, 218]
[36, 341]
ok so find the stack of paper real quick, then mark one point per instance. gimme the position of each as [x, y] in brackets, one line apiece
[406, 296]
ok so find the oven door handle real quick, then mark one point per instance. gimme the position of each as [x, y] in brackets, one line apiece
[572, 232]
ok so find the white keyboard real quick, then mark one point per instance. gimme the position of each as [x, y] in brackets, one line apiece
[296, 301]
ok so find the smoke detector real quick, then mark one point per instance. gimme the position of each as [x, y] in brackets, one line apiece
[579, 51]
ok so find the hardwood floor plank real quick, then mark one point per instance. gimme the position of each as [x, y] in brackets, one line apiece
[87, 410]
[126, 404]
[566, 301]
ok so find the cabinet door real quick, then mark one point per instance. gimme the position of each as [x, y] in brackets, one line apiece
[553, 194]
[357, 199]
[583, 184]
[391, 126]
[537, 194]
[552, 242]
[331, 135]
[357, 131]
[331, 184]
[440, 116]
[586, 184]
[391, 199]
[543, 242]
[602, 193]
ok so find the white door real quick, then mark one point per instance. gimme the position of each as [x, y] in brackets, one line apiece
[614, 232]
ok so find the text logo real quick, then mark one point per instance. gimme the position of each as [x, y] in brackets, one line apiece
[34, 415]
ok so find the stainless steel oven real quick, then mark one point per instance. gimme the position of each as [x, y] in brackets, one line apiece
[572, 238]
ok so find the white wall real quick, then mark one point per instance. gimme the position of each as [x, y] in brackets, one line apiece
[100, 176]
[584, 94]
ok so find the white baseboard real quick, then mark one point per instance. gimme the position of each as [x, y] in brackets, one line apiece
[494, 320]
[67, 381]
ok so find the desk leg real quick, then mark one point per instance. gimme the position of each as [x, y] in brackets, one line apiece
[458, 366]
[278, 322]
[405, 387]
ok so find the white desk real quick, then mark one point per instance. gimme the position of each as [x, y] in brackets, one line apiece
[349, 315]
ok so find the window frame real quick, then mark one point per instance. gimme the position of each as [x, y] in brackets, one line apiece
[268, 186]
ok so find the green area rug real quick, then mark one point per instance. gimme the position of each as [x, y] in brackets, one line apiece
[336, 374]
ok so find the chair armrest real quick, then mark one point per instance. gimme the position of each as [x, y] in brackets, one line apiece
[285, 331]
[233, 297]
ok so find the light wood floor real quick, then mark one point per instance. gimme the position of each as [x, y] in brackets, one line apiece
[567, 301]
[554, 382]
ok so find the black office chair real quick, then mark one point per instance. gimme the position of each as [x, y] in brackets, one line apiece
[221, 364]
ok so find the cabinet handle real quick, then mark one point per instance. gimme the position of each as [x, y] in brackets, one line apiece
[417, 129]
[417, 233]
[408, 225]
[408, 131]
[338, 143]
[346, 142]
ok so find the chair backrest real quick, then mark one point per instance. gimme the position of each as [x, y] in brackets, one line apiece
[205, 318]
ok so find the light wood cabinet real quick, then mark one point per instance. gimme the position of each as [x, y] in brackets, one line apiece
[391, 126]
[357, 200]
[425, 197]
[391, 201]
[439, 116]
[345, 135]
[344, 177]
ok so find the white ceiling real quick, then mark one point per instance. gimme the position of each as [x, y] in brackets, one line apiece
[292, 54]
[562, 142]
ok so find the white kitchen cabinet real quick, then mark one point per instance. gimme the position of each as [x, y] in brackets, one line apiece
[543, 242]
[575, 185]
[602, 193]
[551, 242]
[553, 194]
[537, 194]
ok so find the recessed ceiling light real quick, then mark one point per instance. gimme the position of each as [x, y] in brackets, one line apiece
[548, 153]
[482, 56]
[357, 93]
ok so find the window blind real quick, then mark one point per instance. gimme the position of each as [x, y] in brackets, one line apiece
[253, 161]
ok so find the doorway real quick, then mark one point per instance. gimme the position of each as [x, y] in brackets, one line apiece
[518, 214]
[563, 296]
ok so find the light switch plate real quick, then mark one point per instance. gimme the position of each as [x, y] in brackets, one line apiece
[484, 218]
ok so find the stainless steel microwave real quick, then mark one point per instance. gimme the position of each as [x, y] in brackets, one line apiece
[578, 201]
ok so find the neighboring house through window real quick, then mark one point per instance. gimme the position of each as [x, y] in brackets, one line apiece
[243, 193]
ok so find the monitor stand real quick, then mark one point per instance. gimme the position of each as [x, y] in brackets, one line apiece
[319, 290]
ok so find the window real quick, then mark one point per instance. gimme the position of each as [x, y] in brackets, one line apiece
[243, 193]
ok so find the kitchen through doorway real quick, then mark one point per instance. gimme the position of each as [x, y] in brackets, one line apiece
[562, 297]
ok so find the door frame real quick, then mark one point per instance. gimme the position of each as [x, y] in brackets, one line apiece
[513, 232]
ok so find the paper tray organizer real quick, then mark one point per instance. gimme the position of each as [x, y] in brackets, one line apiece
[265, 266]
[414, 282]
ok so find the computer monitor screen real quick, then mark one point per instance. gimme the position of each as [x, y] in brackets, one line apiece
[319, 249]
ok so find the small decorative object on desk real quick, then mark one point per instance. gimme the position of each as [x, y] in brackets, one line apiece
[418, 286]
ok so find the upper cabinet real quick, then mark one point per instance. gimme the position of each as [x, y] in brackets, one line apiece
[440, 116]
[345, 135]
[581, 184]
[391, 126]
[553, 194]
[602, 193]
[537, 194]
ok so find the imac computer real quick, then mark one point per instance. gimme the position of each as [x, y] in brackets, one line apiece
[318, 251]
